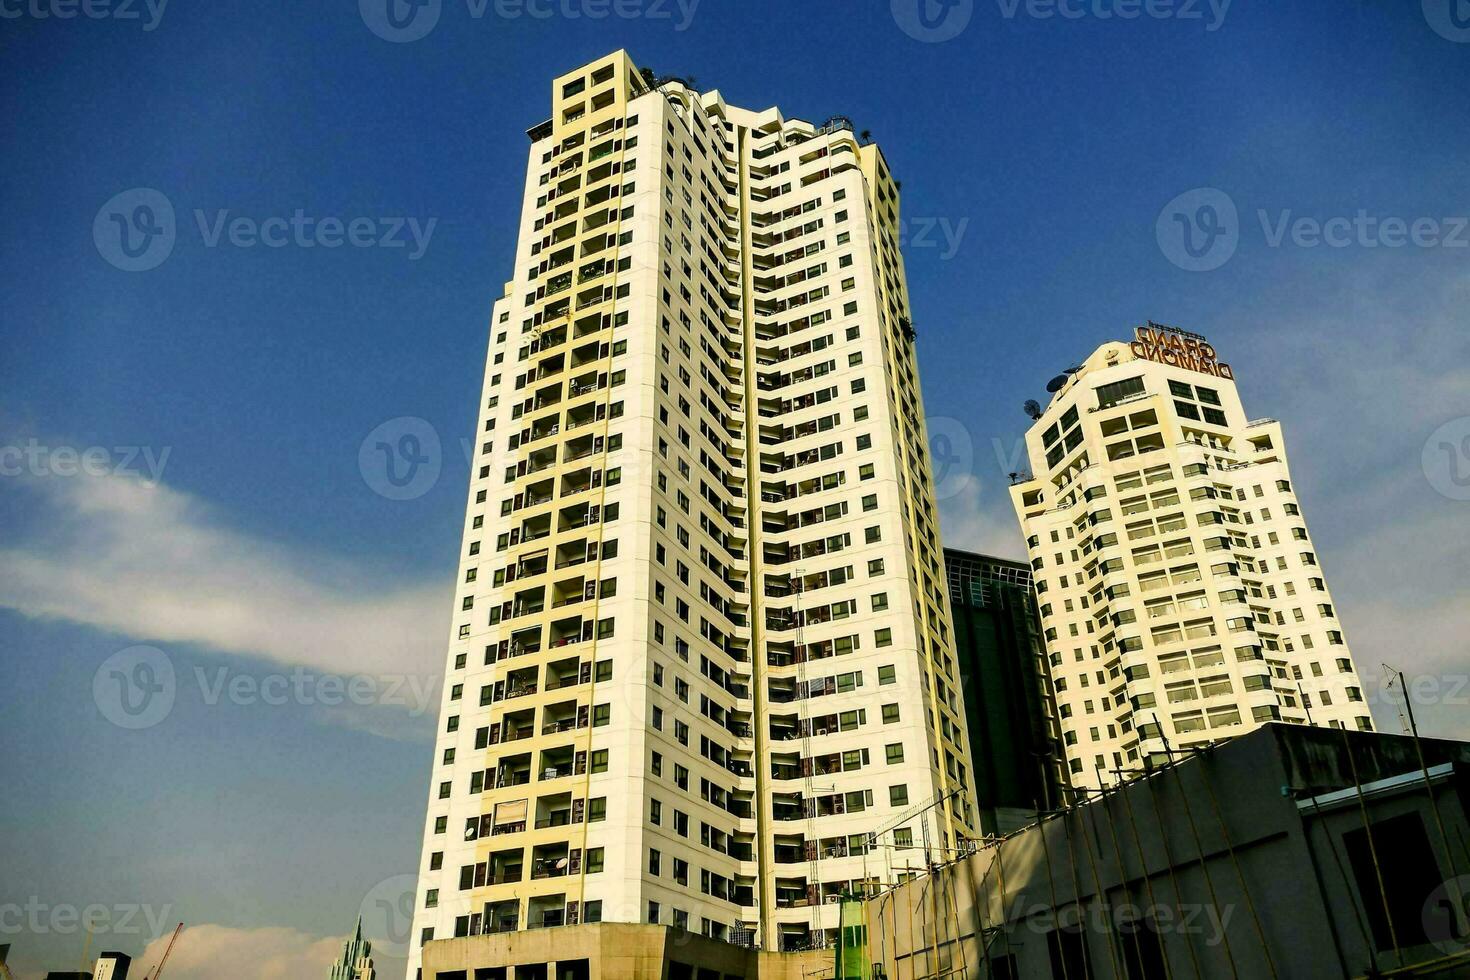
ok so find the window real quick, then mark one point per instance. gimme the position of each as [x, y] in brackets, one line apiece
[898, 795]
[1111, 394]
[887, 674]
[1407, 880]
[890, 714]
[894, 753]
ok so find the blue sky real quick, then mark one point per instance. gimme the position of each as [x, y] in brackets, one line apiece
[262, 565]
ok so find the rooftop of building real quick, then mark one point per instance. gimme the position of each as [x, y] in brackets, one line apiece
[968, 571]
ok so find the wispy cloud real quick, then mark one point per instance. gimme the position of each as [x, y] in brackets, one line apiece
[977, 516]
[152, 563]
[1360, 383]
[212, 952]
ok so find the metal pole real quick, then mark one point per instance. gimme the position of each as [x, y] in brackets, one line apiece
[1372, 848]
[1444, 837]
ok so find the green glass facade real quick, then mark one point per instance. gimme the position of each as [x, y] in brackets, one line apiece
[998, 640]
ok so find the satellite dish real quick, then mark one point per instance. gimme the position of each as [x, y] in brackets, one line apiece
[1056, 384]
[1033, 409]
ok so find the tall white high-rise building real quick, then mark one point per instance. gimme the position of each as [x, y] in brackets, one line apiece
[1181, 597]
[701, 646]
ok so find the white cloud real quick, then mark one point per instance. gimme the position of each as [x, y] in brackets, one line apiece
[973, 519]
[211, 952]
[155, 564]
[1360, 384]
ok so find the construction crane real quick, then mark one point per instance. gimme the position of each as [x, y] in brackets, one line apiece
[158, 970]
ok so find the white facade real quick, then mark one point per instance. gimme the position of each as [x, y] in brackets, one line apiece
[701, 644]
[1182, 599]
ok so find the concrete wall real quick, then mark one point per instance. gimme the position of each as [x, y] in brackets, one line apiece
[1236, 858]
[613, 951]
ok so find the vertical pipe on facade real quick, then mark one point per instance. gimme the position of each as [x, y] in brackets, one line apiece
[1326, 905]
[765, 832]
[1077, 900]
[1204, 864]
[1051, 885]
[1148, 882]
[1122, 869]
[1148, 783]
[1102, 896]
